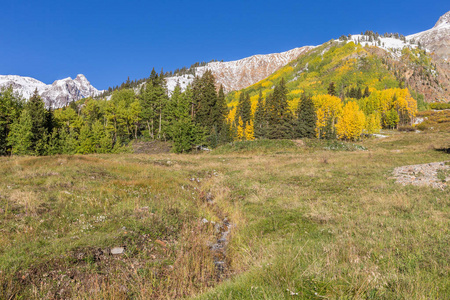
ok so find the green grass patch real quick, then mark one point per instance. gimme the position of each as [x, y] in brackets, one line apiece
[257, 146]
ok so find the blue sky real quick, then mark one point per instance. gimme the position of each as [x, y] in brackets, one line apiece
[110, 40]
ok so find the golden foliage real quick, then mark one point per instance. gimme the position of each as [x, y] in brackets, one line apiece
[351, 123]
[328, 109]
[373, 124]
[240, 130]
[249, 133]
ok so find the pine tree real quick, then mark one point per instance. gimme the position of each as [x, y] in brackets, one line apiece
[279, 118]
[243, 109]
[358, 93]
[366, 92]
[38, 114]
[306, 118]
[260, 117]
[53, 146]
[220, 110]
[204, 100]
[331, 89]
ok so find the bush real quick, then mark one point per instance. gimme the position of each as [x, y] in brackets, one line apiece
[406, 128]
[422, 127]
[440, 106]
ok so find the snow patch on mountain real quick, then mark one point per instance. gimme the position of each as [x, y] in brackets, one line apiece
[182, 80]
[58, 94]
[392, 45]
[239, 74]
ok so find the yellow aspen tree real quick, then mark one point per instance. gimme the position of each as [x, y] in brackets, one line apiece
[321, 122]
[249, 133]
[240, 130]
[328, 109]
[373, 124]
[231, 115]
[351, 123]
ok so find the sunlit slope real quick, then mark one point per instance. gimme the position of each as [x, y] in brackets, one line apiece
[348, 65]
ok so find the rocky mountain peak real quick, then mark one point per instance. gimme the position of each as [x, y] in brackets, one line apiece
[58, 94]
[443, 20]
[436, 39]
[81, 78]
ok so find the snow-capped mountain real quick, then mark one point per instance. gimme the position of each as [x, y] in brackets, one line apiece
[239, 74]
[436, 39]
[58, 94]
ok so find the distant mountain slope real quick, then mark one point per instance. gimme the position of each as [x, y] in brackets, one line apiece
[356, 65]
[239, 74]
[436, 39]
[369, 60]
[58, 94]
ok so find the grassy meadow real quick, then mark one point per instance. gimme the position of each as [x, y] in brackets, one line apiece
[309, 220]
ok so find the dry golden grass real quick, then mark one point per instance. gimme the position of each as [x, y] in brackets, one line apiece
[320, 223]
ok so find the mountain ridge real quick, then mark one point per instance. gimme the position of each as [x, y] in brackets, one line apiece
[238, 74]
[56, 95]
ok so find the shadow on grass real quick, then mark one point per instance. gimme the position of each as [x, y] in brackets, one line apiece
[445, 150]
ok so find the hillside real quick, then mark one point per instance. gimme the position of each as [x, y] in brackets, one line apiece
[357, 65]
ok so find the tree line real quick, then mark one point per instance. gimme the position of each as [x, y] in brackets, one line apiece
[198, 116]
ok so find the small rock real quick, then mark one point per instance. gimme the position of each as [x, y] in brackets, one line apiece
[209, 197]
[117, 250]
[204, 221]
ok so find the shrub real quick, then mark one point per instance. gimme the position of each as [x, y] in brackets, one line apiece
[406, 128]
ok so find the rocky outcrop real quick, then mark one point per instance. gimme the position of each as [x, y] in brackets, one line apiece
[436, 175]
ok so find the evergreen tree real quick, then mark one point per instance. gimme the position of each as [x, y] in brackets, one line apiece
[221, 110]
[366, 92]
[38, 114]
[306, 118]
[53, 146]
[204, 100]
[260, 118]
[331, 89]
[358, 93]
[244, 108]
[279, 118]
